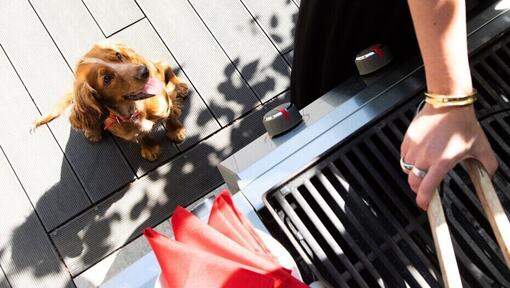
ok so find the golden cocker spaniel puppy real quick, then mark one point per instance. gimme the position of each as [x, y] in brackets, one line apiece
[116, 89]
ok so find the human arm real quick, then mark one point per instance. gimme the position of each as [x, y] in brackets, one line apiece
[439, 138]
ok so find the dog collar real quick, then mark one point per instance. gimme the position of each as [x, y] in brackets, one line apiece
[114, 119]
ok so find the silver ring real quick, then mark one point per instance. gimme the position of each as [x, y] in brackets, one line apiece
[406, 167]
[418, 172]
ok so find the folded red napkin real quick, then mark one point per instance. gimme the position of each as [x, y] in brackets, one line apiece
[186, 267]
[228, 220]
[226, 253]
[190, 230]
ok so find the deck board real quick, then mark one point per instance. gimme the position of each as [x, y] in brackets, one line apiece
[209, 69]
[152, 199]
[76, 24]
[3, 280]
[142, 166]
[247, 46]
[197, 118]
[113, 15]
[101, 166]
[278, 19]
[26, 254]
[37, 159]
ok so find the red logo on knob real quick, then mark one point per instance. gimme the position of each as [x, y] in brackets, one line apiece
[378, 51]
[284, 112]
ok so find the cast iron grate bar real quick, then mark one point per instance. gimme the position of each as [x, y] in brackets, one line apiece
[355, 216]
[358, 203]
[318, 253]
[369, 244]
[491, 71]
[395, 217]
[323, 232]
[318, 201]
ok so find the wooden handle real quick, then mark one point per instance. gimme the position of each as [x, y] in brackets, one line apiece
[443, 243]
[491, 205]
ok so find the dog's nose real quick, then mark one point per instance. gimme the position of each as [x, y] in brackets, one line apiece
[143, 72]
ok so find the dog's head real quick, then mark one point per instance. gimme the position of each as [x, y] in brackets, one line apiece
[109, 77]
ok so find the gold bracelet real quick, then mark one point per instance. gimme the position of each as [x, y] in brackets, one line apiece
[438, 100]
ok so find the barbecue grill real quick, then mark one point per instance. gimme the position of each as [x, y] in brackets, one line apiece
[333, 191]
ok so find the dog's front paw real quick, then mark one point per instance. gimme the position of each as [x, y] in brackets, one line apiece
[182, 90]
[177, 135]
[151, 152]
[93, 137]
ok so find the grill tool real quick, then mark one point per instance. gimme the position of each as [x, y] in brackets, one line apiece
[493, 210]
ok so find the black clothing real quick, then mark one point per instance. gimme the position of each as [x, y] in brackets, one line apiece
[329, 33]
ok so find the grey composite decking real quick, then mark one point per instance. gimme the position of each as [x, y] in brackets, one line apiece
[126, 13]
[76, 24]
[84, 201]
[26, 254]
[277, 18]
[256, 58]
[39, 163]
[3, 280]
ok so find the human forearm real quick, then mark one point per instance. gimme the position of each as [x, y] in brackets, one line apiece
[440, 137]
[440, 27]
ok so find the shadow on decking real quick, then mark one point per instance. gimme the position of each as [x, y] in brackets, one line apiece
[94, 241]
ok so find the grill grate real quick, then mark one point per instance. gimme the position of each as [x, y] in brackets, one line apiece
[491, 71]
[354, 217]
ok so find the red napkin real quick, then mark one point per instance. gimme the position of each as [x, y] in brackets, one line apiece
[228, 220]
[190, 230]
[226, 253]
[186, 267]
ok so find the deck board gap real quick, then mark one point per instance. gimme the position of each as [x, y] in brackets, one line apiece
[282, 53]
[20, 184]
[179, 65]
[3, 277]
[51, 37]
[49, 128]
[124, 28]
[226, 54]
[94, 18]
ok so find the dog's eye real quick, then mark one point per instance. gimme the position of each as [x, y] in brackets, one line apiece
[119, 56]
[107, 78]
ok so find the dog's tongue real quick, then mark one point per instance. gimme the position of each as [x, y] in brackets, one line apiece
[153, 86]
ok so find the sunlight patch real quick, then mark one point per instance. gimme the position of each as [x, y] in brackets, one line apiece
[188, 168]
[503, 5]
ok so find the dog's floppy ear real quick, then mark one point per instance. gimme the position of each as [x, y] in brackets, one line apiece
[87, 112]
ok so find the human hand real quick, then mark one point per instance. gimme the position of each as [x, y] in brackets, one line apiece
[439, 138]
